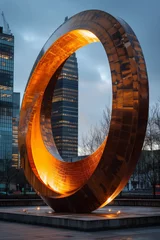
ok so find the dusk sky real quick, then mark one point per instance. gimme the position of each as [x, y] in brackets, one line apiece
[33, 21]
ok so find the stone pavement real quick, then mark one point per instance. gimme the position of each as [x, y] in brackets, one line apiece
[18, 231]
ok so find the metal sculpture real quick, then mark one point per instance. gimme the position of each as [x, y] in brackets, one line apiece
[93, 182]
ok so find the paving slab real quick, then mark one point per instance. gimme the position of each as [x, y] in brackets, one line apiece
[101, 219]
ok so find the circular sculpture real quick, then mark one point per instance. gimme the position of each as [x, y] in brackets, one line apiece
[93, 182]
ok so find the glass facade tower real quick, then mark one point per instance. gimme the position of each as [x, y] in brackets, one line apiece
[64, 115]
[9, 104]
[6, 96]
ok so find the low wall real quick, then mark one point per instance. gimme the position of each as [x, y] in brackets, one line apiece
[116, 202]
[21, 202]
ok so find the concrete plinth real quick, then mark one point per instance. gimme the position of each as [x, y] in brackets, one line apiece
[102, 219]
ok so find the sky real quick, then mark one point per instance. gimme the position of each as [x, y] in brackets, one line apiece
[33, 21]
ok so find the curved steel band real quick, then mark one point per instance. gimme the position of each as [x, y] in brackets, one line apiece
[93, 182]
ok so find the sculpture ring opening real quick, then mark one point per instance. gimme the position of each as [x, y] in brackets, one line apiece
[93, 182]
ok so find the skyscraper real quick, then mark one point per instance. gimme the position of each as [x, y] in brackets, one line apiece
[64, 115]
[6, 96]
[9, 102]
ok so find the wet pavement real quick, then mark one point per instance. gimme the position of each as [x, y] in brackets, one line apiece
[18, 231]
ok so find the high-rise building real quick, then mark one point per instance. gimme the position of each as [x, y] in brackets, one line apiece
[6, 96]
[15, 123]
[9, 102]
[64, 115]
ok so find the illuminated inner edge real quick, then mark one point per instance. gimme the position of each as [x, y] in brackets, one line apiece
[61, 177]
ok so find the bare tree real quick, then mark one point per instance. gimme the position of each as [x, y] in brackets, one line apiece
[148, 167]
[8, 174]
[96, 134]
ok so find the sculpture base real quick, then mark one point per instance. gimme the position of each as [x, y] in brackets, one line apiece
[101, 219]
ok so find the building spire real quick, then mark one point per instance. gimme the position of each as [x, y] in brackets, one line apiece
[6, 25]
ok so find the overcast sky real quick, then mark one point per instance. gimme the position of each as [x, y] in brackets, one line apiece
[33, 21]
